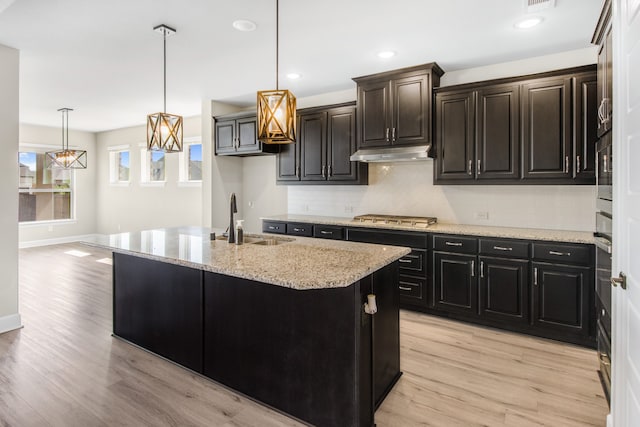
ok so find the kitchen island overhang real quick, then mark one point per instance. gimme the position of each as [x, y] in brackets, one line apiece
[283, 324]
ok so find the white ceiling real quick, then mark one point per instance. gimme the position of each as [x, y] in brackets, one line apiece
[103, 58]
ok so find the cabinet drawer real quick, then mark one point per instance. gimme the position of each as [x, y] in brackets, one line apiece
[465, 245]
[273, 227]
[562, 253]
[413, 263]
[412, 289]
[328, 232]
[299, 229]
[506, 248]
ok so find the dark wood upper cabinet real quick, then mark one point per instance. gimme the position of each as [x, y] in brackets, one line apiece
[236, 135]
[313, 142]
[394, 108]
[585, 125]
[498, 128]
[603, 38]
[537, 129]
[546, 128]
[326, 140]
[455, 135]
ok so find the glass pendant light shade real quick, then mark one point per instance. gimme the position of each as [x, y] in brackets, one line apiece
[276, 108]
[65, 158]
[164, 132]
[276, 117]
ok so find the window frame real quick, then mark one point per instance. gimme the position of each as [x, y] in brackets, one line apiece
[145, 169]
[183, 160]
[114, 165]
[41, 149]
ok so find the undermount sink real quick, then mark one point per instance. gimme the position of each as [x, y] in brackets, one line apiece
[258, 239]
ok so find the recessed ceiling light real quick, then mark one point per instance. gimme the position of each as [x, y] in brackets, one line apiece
[528, 23]
[293, 76]
[244, 25]
[385, 54]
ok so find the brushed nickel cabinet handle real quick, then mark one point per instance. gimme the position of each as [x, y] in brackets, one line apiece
[559, 253]
[482, 269]
[324, 171]
[473, 268]
[326, 232]
[469, 167]
[606, 112]
[298, 230]
[601, 112]
[578, 166]
[566, 164]
[330, 170]
[535, 276]
[404, 288]
[406, 261]
[453, 243]
[605, 167]
[478, 168]
[393, 135]
[387, 135]
[502, 248]
[298, 171]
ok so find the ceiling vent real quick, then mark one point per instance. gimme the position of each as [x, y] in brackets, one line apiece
[533, 6]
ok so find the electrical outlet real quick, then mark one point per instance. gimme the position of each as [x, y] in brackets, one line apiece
[348, 209]
[305, 208]
[481, 215]
[250, 204]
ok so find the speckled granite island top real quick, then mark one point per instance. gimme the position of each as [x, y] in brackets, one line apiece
[296, 262]
[471, 230]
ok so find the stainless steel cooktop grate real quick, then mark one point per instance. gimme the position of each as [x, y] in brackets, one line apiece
[397, 219]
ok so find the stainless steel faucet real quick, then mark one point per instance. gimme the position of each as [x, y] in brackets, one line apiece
[233, 209]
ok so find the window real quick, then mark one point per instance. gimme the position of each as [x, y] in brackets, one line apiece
[152, 167]
[119, 166]
[191, 163]
[44, 194]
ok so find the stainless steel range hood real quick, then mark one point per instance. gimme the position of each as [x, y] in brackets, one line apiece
[392, 154]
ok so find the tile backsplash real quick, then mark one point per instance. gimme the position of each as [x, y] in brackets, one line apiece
[407, 188]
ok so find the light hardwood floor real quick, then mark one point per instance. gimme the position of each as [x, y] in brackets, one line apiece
[64, 368]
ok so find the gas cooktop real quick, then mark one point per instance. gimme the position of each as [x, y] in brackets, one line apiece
[414, 221]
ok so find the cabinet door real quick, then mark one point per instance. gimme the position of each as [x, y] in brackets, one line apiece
[411, 109]
[546, 128]
[504, 290]
[455, 133]
[374, 116]
[288, 162]
[455, 283]
[498, 137]
[605, 81]
[247, 139]
[562, 297]
[313, 146]
[225, 136]
[341, 144]
[585, 125]
[608, 87]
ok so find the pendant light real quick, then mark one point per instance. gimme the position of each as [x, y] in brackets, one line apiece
[276, 108]
[164, 131]
[65, 158]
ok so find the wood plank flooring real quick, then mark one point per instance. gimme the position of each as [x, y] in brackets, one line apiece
[64, 368]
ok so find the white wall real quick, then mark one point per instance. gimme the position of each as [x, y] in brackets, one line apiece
[407, 188]
[261, 195]
[138, 207]
[85, 184]
[9, 130]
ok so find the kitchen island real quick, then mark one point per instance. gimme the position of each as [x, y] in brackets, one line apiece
[280, 320]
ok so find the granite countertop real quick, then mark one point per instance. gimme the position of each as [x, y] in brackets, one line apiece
[297, 262]
[471, 230]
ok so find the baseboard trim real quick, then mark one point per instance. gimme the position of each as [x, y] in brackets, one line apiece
[56, 241]
[10, 322]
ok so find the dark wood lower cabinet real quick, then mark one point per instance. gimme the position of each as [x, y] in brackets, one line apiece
[454, 281]
[504, 290]
[563, 296]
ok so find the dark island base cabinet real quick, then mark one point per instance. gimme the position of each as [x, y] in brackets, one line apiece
[313, 354]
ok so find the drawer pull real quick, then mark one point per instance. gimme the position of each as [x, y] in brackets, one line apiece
[326, 232]
[274, 227]
[406, 261]
[473, 268]
[298, 230]
[502, 248]
[559, 253]
[535, 276]
[453, 243]
[404, 288]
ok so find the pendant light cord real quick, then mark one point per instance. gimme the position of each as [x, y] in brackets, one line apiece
[164, 45]
[277, 40]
